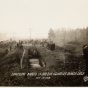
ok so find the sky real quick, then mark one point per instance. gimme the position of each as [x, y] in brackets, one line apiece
[18, 17]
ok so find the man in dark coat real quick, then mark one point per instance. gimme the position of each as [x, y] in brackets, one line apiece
[52, 48]
[85, 56]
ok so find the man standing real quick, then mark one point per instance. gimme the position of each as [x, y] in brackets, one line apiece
[52, 47]
[85, 56]
[10, 47]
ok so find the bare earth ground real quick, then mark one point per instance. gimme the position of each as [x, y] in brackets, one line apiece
[69, 60]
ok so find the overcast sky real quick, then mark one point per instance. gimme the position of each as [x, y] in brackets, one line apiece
[19, 16]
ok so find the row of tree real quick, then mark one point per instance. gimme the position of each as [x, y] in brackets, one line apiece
[63, 36]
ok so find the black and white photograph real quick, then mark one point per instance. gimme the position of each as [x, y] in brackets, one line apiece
[44, 43]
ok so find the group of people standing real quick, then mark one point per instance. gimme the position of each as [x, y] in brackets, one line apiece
[51, 46]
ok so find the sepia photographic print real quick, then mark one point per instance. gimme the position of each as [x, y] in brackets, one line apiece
[44, 43]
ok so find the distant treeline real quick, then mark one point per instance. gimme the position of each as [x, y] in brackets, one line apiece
[63, 36]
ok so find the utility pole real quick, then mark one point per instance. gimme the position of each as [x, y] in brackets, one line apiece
[30, 34]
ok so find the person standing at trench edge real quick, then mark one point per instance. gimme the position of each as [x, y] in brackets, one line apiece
[52, 47]
[85, 56]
